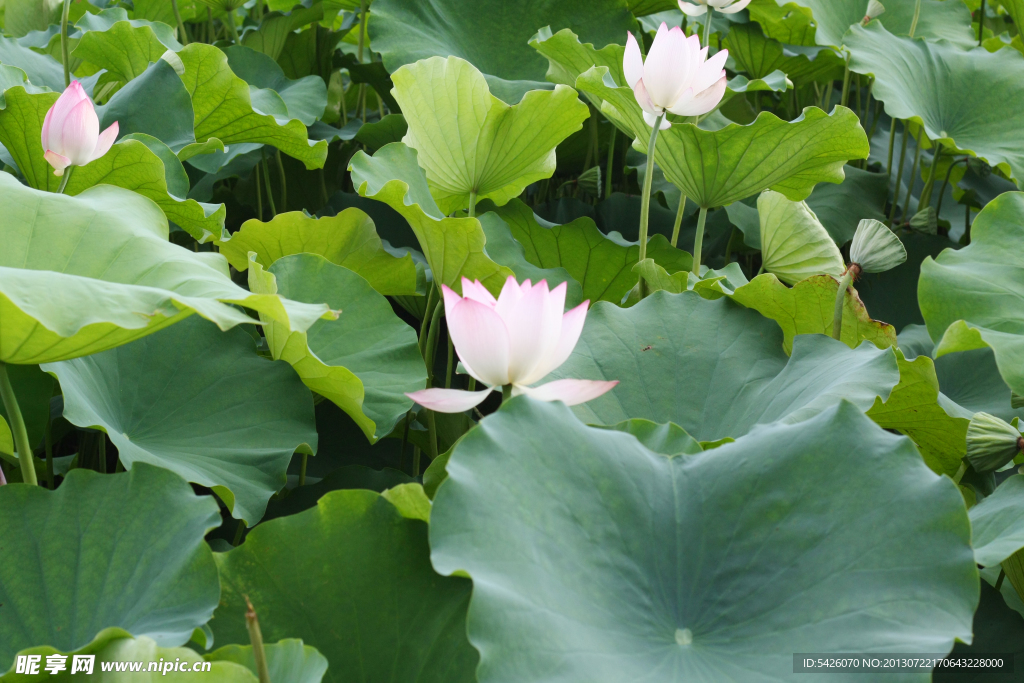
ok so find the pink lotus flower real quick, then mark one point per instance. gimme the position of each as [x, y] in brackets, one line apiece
[676, 77]
[517, 339]
[702, 6]
[71, 131]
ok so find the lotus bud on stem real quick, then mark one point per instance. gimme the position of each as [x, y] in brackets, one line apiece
[992, 442]
[252, 624]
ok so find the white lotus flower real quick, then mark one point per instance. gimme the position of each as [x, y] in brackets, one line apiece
[699, 7]
[677, 76]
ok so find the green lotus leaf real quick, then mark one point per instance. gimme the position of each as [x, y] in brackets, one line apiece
[840, 208]
[723, 365]
[365, 362]
[347, 239]
[224, 109]
[644, 567]
[602, 264]
[289, 660]
[808, 307]
[241, 450]
[376, 134]
[760, 56]
[949, 21]
[642, 8]
[927, 82]
[11, 76]
[794, 244]
[352, 578]
[568, 58]
[717, 168]
[42, 70]
[490, 34]
[876, 248]
[667, 439]
[132, 107]
[25, 16]
[410, 501]
[454, 247]
[33, 388]
[271, 36]
[470, 143]
[305, 99]
[997, 523]
[973, 297]
[124, 48]
[161, 11]
[913, 409]
[82, 274]
[997, 628]
[776, 81]
[65, 576]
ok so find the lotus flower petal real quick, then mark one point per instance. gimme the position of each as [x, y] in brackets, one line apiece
[702, 102]
[58, 161]
[79, 134]
[105, 141]
[733, 9]
[571, 328]
[534, 325]
[632, 62]
[482, 340]
[692, 10]
[476, 291]
[710, 71]
[644, 100]
[53, 124]
[569, 391]
[650, 119]
[449, 400]
[670, 56]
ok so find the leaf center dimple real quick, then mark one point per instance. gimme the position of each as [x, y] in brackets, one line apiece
[684, 636]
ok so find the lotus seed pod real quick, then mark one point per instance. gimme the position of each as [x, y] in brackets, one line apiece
[876, 248]
[991, 442]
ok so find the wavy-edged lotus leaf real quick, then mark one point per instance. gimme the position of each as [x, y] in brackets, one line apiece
[913, 409]
[938, 20]
[347, 239]
[840, 208]
[973, 297]
[997, 523]
[124, 48]
[288, 661]
[368, 598]
[158, 10]
[667, 439]
[794, 244]
[759, 56]
[470, 143]
[132, 107]
[83, 274]
[305, 98]
[642, 8]
[644, 567]
[42, 70]
[107, 18]
[876, 248]
[491, 34]
[242, 449]
[65, 576]
[569, 58]
[717, 168]
[271, 35]
[602, 264]
[454, 247]
[998, 627]
[365, 361]
[723, 364]
[807, 308]
[224, 109]
[928, 83]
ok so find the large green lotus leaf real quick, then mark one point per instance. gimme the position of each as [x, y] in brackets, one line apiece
[162, 11]
[595, 559]
[42, 70]
[841, 208]
[950, 21]
[997, 523]
[101, 551]
[365, 361]
[25, 16]
[794, 243]
[83, 274]
[454, 247]
[106, 19]
[271, 36]
[568, 58]
[347, 239]
[759, 56]
[602, 264]
[973, 297]
[493, 35]
[929, 83]
[305, 98]
[352, 578]
[794, 28]
[715, 368]
[997, 628]
[717, 168]
[808, 307]
[241, 449]
[288, 661]
[123, 49]
[913, 409]
[133, 107]
[470, 142]
[224, 109]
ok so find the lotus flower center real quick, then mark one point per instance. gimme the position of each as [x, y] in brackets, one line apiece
[684, 636]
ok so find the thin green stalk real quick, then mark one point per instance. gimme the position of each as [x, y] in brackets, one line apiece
[229, 24]
[284, 182]
[259, 195]
[405, 438]
[999, 581]
[592, 125]
[828, 94]
[182, 36]
[645, 200]
[611, 164]
[981, 22]
[472, 203]
[302, 469]
[415, 461]
[427, 313]
[432, 336]
[17, 424]
[892, 147]
[926, 194]
[917, 15]
[64, 179]
[863, 120]
[211, 33]
[877, 114]
[945, 182]
[698, 241]
[324, 197]
[679, 220]
[451, 363]
[899, 174]
[837, 312]
[48, 444]
[913, 176]
[266, 183]
[707, 28]
[239, 533]
[252, 624]
[64, 50]
[359, 55]
[846, 82]
[506, 393]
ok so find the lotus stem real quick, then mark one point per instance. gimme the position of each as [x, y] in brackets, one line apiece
[645, 200]
[913, 175]
[65, 53]
[846, 82]
[981, 21]
[506, 393]
[259, 194]
[899, 175]
[611, 164]
[926, 194]
[945, 182]
[472, 203]
[302, 469]
[698, 240]
[432, 335]
[999, 581]
[266, 183]
[451, 363]
[48, 444]
[182, 37]
[892, 146]
[679, 219]
[837, 313]
[64, 179]
[359, 55]
[707, 28]
[917, 15]
[252, 625]
[229, 24]
[284, 182]
[21, 442]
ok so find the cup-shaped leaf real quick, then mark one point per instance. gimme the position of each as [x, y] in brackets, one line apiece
[876, 248]
[794, 244]
[936, 20]
[991, 442]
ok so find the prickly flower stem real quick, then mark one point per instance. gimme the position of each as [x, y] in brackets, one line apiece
[707, 28]
[21, 442]
[64, 51]
[679, 220]
[837, 314]
[698, 240]
[64, 179]
[252, 624]
[182, 36]
[645, 200]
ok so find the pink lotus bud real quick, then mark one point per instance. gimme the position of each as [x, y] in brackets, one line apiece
[71, 131]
